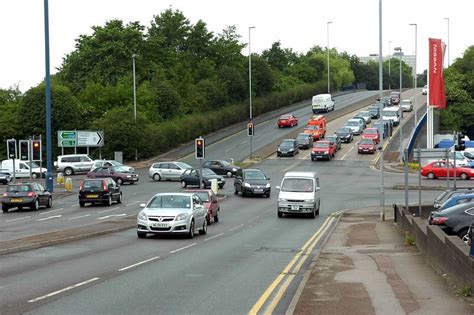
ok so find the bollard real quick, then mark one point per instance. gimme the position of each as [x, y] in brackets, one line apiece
[68, 184]
[60, 179]
[214, 186]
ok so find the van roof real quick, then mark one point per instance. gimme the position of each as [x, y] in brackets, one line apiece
[323, 95]
[301, 174]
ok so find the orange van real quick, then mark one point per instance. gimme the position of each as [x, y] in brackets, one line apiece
[316, 127]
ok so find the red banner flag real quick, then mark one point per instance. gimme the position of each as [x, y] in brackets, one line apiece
[437, 96]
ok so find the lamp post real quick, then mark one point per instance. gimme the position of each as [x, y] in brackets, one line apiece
[389, 67]
[134, 98]
[382, 192]
[399, 49]
[447, 19]
[250, 90]
[49, 155]
[327, 48]
[416, 46]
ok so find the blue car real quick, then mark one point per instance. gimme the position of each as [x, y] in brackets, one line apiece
[457, 200]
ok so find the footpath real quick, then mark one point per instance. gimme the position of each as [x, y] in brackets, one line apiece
[365, 267]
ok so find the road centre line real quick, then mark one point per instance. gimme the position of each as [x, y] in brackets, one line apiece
[253, 219]
[108, 210]
[213, 237]
[51, 211]
[81, 216]
[112, 215]
[63, 290]
[51, 217]
[132, 203]
[139, 263]
[236, 227]
[12, 220]
[182, 248]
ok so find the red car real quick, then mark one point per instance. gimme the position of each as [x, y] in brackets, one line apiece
[287, 121]
[439, 169]
[323, 149]
[371, 133]
[210, 201]
[366, 146]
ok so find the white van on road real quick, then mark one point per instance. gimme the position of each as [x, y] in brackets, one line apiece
[22, 169]
[394, 113]
[322, 102]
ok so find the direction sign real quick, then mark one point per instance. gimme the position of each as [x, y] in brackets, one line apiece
[90, 138]
[67, 138]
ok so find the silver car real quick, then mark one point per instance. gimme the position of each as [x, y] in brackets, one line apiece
[406, 105]
[366, 115]
[167, 170]
[355, 125]
[172, 213]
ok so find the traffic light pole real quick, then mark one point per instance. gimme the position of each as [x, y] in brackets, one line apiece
[200, 173]
[30, 153]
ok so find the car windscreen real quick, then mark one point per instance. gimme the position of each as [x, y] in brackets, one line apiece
[92, 184]
[370, 131]
[254, 175]
[183, 165]
[390, 113]
[225, 163]
[366, 141]
[297, 185]
[285, 117]
[32, 164]
[331, 139]
[303, 136]
[19, 188]
[203, 195]
[321, 145]
[311, 127]
[169, 201]
[207, 171]
[344, 130]
[364, 114]
[120, 169]
[405, 103]
[287, 144]
[353, 123]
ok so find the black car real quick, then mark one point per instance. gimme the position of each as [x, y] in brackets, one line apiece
[287, 147]
[454, 220]
[5, 177]
[304, 140]
[252, 181]
[345, 134]
[221, 167]
[374, 111]
[190, 177]
[30, 195]
[99, 190]
[334, 139]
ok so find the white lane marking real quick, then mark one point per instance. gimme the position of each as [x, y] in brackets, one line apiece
[139, 263]
[63, 290]
[182, 248]
[51, 211]
[236, 227]
[253, 219]
[229, 149]
[112, 215]
[81, 216]
[212, 237]
[108, 210]
[244, 142]
[132, 203]
[12, 220]
[51, 217]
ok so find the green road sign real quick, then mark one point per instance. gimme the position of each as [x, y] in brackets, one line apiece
[67, 138]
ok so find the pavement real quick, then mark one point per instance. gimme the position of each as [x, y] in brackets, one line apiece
[366, 268]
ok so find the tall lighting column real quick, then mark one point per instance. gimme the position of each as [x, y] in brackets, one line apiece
[327, 48]
[382, 192]
[134, 98]
[49, 156]
[416, 46]
[399, 49]
[389, 67]
[250, 90]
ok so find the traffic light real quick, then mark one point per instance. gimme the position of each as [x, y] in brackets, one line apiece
[459, 145]
[36, 150]
[11, 148]
[24, 150]
[199, 148]
[250, 129]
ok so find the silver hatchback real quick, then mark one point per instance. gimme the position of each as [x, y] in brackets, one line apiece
[168, 170]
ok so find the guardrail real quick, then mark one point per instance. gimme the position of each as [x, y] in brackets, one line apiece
[415, 133]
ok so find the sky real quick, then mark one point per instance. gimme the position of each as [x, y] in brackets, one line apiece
[297, 24]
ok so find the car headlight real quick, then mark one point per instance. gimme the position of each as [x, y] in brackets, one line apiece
[142, 216]
[291, 149]
[247, 185]
[326, 152]
[282, 200]
[267, 185]
[128, 176]
[181, 217]
[234, 170]
[310, 200]
[278, 149]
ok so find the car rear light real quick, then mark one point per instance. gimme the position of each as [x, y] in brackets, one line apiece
[31, 194]
[104, 185]
[439, 220]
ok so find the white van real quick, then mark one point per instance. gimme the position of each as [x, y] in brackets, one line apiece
[22, 169]
[322, 102]
[394, 113]
[299, 194]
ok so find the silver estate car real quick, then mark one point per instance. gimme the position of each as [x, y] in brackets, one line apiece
[172, 213]
[167, 170]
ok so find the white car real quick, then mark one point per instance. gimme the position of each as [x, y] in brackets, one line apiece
[172, 213]
[406, 105]
[167, 170]
[73, 163]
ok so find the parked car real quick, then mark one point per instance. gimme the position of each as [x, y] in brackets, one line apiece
[190, 177]
[252, 181]
[287, 120]
[167, 170]
[395, 98]
[119, 174]
[5, 177]
[345, 133]
[455, 220]
[288, 147]
[210, 202]
[100, 190]
[424, 91]
[110, 163]
[73, 163]
[366, 115]
[456, 200]
[374, 112]
[406, 105]
[366, 146]
[439, 169]
[335, 140]
[371, 133]
[304, 141]
[445, 195]
[356, 126]
[29, 195]
[323, 149]
[172, 213]
[221, 167]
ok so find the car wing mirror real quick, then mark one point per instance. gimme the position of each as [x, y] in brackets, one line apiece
[318, 188]
[142, 205]
[277, 187]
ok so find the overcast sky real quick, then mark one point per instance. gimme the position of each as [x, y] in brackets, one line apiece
[298, 24]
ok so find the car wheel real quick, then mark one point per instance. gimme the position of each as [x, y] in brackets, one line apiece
[464, 237]
[4, 208]
[119, 200]
[312, 215]
[156, 177]
[183, 184]
[82, 204]
[464, 176]
[313, 159]
[319, 206]
[34, 176]
[119, 181]
[35, 205]
[50, 202]
[191, 229]
[203, 231]
[109, 202]
[68, 171]
[141, 235]
[280, 214]
[431, 175]
[216, 218]
[229, 174]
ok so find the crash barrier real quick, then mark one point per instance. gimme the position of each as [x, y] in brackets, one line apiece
[60, 179]
[415, 133]
[68, 184]
[447, 254]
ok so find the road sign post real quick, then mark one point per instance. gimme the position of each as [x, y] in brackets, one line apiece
[11, 153]
[199, 154]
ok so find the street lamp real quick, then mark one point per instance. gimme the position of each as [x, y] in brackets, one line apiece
[250, 90]
[416, 45]
[382, 192]
[49, 154]
[389, 67]
[447, 19]
[399, 49]
[327, 48]
[134, 98]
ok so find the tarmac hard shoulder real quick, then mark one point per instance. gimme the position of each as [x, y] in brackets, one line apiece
[366, 268]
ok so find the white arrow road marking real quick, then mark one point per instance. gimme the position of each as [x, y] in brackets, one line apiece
[139, 263]
[108, 210]
[51, 217]
[112, 215]
[51, 211]
[62, 290]
[81, 216]
[18, 219]
[182, 248]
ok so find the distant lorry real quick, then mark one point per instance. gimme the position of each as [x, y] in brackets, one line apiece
[22, 169]
[394, 113]
[322, 102]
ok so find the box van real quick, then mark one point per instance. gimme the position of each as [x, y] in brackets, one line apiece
[22, 169]
[299, 194]
[322, 102]
[394, 113]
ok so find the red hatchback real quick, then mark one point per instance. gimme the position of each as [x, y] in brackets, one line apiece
[366, 146]
[210, 202]
[371, 133]
[439, 169]
[287, 121]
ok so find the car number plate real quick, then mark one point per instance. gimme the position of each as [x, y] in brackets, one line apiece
[160, 225]
[92, 196]
[294, 207]
[258, 190]
[319, 156]
[16, 200]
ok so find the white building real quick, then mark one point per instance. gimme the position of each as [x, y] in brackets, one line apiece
[408, 59]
